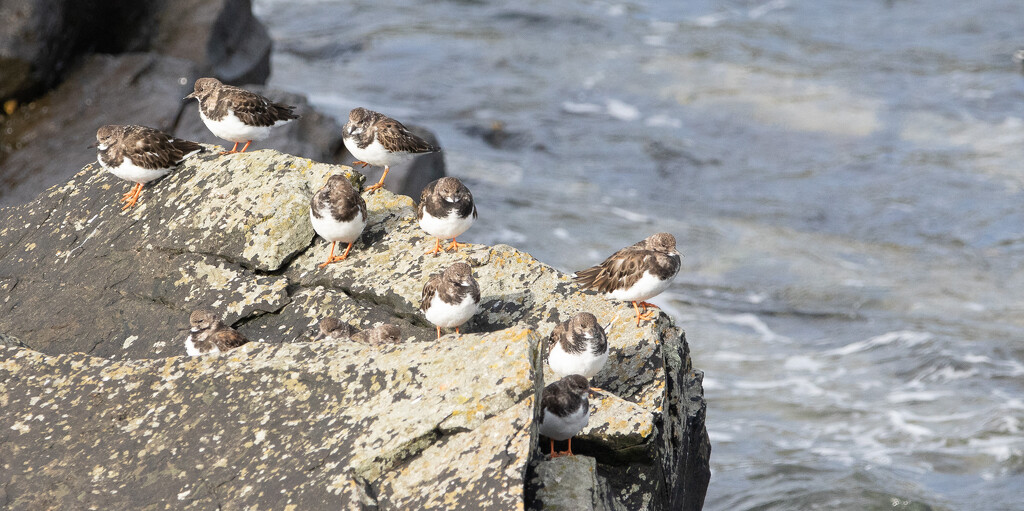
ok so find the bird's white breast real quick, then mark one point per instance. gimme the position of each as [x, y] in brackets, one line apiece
[333, 230]
[447, 227]
[648, 286]
[376, 154]
[586, 363]
[132, 172]
[446, 316]
[232, 128]
[563, 428]
[193, 351]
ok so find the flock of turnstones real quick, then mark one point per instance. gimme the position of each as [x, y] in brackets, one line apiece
[577, 348]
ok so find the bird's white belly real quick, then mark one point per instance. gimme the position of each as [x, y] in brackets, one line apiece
[375, 154]
[563, 428]
[193, 351]
[332, 230]
[232, 128]
[132, 172]
[447, 316]
[585, 364]
[648, 286]
[447, 227]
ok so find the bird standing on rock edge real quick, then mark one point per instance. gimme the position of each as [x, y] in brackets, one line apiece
[565, 411]
[338, 213]
[237, 115]
[376, 139]
[139, 154]
[578, 346]
[446, 210]
[451, 297]
[636, 273]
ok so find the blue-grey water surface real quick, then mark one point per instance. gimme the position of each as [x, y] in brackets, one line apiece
[844, 178]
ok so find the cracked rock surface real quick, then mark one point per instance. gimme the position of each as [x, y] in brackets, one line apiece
[102, 409]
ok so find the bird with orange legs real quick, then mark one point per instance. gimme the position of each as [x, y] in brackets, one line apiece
[445, 211]
[139, 154]
[451, 297]
[376, 139]
[636, 273]
[338, 214]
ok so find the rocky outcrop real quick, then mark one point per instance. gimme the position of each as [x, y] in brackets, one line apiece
[102, 409]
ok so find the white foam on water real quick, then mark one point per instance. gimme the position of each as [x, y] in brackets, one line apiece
[663, 121]
[898, 420]
[716, 436]
[765, 8]
[752, 322]
[581, 108]
[798, 386]
[915, 397]
[631, 216]
[621, 110]
[802, 363]
[711, 20]
[1002, 448]
[733, 356]
[905, 337]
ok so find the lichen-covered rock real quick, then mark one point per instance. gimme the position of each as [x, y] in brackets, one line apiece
[424, 424]
[269, 426]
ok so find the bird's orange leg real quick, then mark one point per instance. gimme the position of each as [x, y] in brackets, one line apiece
[438, 332]
[454, 245]
[437, 247]
[132, 197]
[380, 184]
[644, 314]
[570, 447]
[232, 151]
[246, 146]
[127, 196]
[332, 258]
[553, 454]
[360, 162]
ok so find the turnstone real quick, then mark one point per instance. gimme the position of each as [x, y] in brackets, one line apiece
[140, 154]
[332, 328]
[210, 335]
[578, 346]
[376, 139]
[445, 211]
[380, 335]
[565, 410]
[338, 213]
[450, 298]
[635, 273]
[237, 115]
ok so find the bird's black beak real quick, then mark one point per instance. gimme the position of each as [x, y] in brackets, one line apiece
[190, 96]
[94, 145]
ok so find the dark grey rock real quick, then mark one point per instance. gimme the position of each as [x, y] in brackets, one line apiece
[45, 143]
[222, 37]
[41, 40]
